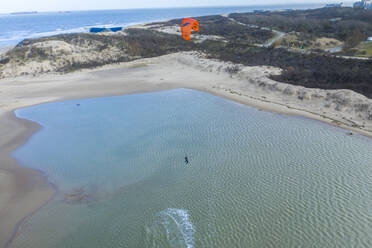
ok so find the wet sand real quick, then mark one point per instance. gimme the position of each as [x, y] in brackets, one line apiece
[23, 191]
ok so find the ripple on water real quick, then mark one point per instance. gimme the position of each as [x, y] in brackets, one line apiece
[255, 179]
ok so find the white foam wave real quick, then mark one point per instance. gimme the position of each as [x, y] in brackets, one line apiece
[20, 35]
[184, 231]
[17, 36]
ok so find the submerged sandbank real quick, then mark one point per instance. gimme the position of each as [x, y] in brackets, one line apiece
[26, 190]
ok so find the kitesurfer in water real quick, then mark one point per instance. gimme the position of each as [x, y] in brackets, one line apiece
[186, 160]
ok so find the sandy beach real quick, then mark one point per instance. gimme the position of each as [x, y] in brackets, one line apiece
[23, 191]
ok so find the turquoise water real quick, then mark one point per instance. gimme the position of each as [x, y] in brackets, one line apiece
[255, 179]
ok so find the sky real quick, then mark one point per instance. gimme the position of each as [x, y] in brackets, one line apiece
[7, 6]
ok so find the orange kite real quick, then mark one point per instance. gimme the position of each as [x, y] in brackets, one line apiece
[186, 26]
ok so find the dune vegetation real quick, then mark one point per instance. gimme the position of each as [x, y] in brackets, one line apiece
[240, 38]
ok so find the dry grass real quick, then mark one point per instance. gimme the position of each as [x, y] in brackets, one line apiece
[364, 49]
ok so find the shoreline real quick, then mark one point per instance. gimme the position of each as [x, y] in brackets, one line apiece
[21, 221]
[291, 111]
[27, 187]
[140, 76]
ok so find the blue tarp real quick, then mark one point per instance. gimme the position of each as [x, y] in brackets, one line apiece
[115, 29]
[98, 30]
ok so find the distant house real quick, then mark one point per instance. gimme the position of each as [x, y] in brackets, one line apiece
[335, 19]
[369, 5]
[363, 4]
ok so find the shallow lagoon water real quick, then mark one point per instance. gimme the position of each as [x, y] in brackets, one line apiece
[255, 179]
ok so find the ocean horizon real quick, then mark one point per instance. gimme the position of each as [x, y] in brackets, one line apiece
[15, 28]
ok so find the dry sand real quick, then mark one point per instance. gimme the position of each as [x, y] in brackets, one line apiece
[23, 191]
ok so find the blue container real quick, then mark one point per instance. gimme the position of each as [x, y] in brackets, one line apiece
[116, 29]
[97, 30]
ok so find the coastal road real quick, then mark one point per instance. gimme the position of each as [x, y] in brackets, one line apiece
[278, 36]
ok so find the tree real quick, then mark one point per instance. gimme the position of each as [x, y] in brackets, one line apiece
[354, 39]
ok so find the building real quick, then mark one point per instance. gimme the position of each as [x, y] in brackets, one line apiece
[363, 4]
[335, 19]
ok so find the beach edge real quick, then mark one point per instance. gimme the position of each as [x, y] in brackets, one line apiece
[27, 189]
